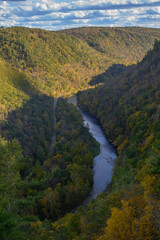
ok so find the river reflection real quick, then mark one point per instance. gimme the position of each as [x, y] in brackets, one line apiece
[103, 163]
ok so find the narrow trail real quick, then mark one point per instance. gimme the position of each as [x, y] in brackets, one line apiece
[54, 125]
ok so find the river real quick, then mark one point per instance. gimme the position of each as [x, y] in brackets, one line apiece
[104, 162]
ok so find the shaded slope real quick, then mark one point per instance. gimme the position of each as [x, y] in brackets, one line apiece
[136, 88]
[58, 63]
[129, 110]
[25, 113]
[27, 116]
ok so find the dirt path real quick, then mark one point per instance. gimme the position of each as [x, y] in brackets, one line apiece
[54, 125]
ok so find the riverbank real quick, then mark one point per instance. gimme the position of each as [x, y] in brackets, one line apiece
[104, 162]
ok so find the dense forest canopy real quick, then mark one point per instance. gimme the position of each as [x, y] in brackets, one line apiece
[61, 63]
[40, 189]
[123, 44]
[132, 120]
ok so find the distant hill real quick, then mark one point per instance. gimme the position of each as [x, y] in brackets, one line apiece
[61, 63]
[125, 44]
[58, 63]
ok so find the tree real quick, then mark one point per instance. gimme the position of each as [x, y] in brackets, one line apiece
[133, 221]
[10, 156]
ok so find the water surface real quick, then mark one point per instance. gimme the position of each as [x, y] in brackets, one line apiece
[103, 163]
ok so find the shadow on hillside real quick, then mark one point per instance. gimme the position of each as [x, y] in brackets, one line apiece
[21, 81]
[32, 125]
[112, 72]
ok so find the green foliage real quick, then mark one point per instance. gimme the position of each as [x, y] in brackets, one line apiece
[10, 155]
[32, 126]
[61, 63]
[10, 162]
[45, 187]
[121, 45]
[36, 65]
[128, 108]
[9, 229]
[13, 85]
[56, 62]
[71, 164]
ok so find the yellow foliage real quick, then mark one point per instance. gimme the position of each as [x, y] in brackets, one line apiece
[132, 222]
[38, 232]
[122, 146]
[155, 150]
[36, 224]
[148, 141]
[149, 183]
[137, 113]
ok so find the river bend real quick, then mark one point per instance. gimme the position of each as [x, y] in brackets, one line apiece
[103, 163]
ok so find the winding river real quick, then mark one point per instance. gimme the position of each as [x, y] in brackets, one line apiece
[103, 163]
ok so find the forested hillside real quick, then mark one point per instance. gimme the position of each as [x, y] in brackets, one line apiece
[57, 63]
[37, 185]
[121, 45]
[61, 63]
[128, 108]
[44, 185]
[31, 175]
